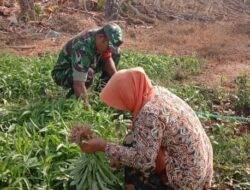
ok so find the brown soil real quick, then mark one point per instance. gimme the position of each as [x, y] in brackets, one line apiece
[241, 129]
[223, 45]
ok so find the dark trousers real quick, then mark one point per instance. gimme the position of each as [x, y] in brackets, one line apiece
[137, 178]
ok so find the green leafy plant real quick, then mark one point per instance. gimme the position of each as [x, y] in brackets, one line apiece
[163, 70]
[38, 9]
[242, 105]
[231, 157]
[35, 120]
[92, 172]
[100, 4]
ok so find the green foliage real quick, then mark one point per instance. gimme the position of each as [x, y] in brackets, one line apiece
[100, 4]
[34, 149]
[198, 97]
[38, 9]
[24, 78]
[162, 69]
[242, 105]
[93, 172]
[35, 120]
[39, 133]
[231, 157]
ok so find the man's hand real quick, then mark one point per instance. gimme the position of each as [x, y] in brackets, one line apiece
[91, 73]
[93, 145]
[109, 67]
[80, 90]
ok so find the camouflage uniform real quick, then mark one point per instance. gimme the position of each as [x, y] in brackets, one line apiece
[80, 54]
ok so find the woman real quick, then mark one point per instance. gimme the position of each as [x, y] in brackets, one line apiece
[169, 146]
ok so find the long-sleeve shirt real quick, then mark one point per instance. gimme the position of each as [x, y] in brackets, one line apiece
[78, 55]
[167, 121]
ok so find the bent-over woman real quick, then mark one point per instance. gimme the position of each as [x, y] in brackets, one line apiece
[168, 147]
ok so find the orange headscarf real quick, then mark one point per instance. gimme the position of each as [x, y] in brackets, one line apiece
[128, 90]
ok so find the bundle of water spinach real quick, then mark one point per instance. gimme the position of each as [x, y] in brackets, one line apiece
[93, 172]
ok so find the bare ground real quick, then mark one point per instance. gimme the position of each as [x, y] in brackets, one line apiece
[223, 45]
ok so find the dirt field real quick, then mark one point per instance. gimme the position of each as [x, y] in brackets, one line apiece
[223, 44]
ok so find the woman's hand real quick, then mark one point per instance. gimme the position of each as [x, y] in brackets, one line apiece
[93, 145]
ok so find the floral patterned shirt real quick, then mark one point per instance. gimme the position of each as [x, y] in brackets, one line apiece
[167, 121]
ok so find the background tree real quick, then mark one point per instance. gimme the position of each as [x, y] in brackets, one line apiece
[27, 10]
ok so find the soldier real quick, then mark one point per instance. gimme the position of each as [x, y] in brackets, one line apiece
[89, 52]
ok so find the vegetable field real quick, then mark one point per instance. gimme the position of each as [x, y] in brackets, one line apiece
[35, 121]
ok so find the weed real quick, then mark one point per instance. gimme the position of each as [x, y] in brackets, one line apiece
[242, 105]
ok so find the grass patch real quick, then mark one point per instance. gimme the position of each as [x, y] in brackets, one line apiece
[35, 119]
[242, 105]
[231, 157]
[23, 78]
[163, 70]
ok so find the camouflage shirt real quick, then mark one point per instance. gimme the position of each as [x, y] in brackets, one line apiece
[78, 55]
